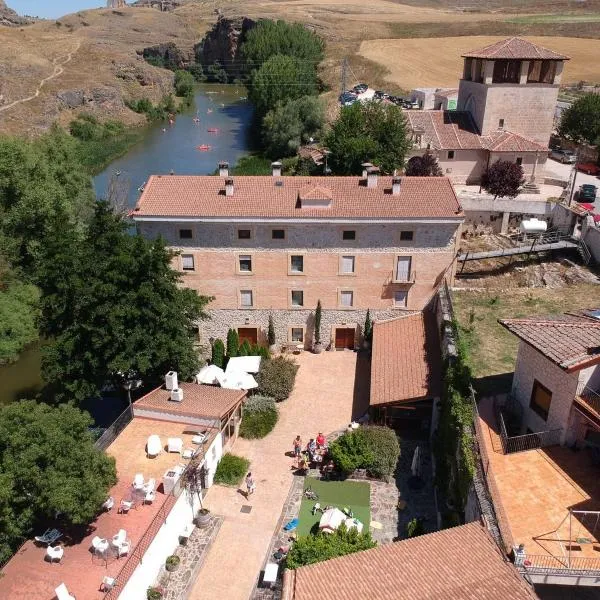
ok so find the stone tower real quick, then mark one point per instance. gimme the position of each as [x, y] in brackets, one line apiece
[512, 85]
[115, 3]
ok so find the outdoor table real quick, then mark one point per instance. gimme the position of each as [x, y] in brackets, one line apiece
[271, 571]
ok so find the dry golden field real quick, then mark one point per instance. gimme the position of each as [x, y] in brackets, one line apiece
[431, 62]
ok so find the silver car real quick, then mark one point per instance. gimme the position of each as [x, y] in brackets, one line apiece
[563, 156]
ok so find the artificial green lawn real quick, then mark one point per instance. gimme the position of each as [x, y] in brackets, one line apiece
[356, 495]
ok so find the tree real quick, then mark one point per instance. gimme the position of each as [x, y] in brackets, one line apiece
[233, 343]
[184, 84]
[423, 166]
[218, 353]
[245, 349]
[581, 121]
[415, 528]
[48, 466]
[279, 79]
[287, 126]
[503, 178]
[368, 328]
[318, 323]
[271, 331]
[111, 304]
[368, 132]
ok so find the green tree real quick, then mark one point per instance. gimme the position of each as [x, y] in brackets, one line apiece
[415, 528]
[184, 84]
[233, 343]
[368, 131]
[48, 465]
[245, 348]
[111, 304]
[271, 331]
[581, 121]
[318, 312]
[503, 178]
[279, 79]
[368, 328]
[218, 353]
[287, 126]
[323, 546]
[423, 166]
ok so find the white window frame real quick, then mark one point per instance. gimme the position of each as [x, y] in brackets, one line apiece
[241, 295]
[292, 305]
[405, 303]
[403, 259]
[341, 265]
[352, 299]
[183, 260]
[291, 271]
[241, 257]
[302, 328]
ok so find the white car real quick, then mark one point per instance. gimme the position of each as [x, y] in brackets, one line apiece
[563, 156]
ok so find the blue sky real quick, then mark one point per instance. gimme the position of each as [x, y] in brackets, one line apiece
[52, 9]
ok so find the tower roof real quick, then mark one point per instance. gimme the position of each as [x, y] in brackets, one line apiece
[515, 48]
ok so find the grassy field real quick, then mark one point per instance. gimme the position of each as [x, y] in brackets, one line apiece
[424, 62]
[492, 349]
[586, 18]
[352, 494]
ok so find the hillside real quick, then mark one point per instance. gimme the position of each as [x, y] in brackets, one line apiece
[9, 18]
[89, 60]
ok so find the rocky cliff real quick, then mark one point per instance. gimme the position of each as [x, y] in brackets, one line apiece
[162, 5]
[168, 55]
[9, 18]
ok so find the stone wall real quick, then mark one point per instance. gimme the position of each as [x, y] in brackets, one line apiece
[592, 240]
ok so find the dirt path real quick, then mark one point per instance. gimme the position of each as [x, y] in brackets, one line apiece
[59, 62]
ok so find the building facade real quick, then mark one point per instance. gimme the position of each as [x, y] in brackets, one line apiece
[277, 245]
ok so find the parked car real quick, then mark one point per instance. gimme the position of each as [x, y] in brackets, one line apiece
[360, 88]
[588, 168]
[587, 193]
[563, 156]
[347, 98]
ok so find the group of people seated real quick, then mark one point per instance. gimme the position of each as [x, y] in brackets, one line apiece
[314, 453]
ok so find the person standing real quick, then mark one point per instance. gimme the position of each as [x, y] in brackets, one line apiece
[250, 485]
[297, 448]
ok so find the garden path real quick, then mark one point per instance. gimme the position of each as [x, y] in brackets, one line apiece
[323, 400]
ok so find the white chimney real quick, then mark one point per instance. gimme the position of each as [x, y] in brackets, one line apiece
[176, 395]
[276, 166]
[171, 382]
[372, 177]
[396, 186]
[223, 169]
[229, 186]
[365, 166]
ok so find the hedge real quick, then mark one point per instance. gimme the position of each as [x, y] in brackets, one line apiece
[231, 469]
[276, 377]
[259, 417]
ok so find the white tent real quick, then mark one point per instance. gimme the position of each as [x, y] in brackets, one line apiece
[332, 518]
[210, 374]
[247, 364]
[238, 380]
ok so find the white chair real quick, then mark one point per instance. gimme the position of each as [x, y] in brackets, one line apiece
[55, 553]
[123, 549]
[125, 506]
[138, 481]
[149, 488]
[108, 504]
[108, 583]
[198, 439]
[153, 446]
[62, 593]
[175, 445]
[100, 545]
[190, 453]
[119, 538]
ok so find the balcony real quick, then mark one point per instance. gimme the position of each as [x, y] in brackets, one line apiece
[587, 402]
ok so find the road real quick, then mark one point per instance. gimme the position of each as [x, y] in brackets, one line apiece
[556, 169]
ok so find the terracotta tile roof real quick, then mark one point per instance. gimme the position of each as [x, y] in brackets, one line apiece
[261, 197]
[198, 401]
[456, 130]
[461, 563]
[406, 363]
[517, 48]
[315, 192]
[572, 341]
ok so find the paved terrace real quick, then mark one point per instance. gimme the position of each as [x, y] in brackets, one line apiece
[533, 491]
[29, 577]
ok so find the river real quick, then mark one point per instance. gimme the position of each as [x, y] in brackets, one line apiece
[164, 148]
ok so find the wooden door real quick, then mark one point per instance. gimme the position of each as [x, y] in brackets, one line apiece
[344, 338]
[248, 333]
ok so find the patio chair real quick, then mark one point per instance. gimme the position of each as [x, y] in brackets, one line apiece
[62, 593]
[190, 453]
[108, 504]
[49, 536]
[153, 446]
[55, 553]
[149, 488]
[108, 583]
[125, 506]
[100, 545]
[123, 549]
[175, 445]
[138, 481]
[199, 438]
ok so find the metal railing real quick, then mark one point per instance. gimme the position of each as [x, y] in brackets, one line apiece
[111, 433]
[545, 564]
[591, 397]
[586, 255]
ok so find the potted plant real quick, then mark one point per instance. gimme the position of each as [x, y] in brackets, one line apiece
[154, 593]
[172, 563]
[318, 347]
[203, 518]
[367, 331]
[271, 336]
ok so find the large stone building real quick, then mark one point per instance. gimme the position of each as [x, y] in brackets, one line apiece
[505, 111]
[277, 245]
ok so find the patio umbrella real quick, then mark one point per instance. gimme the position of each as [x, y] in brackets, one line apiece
[416, 463]
[210, 375]
[248, 364]
[238, 380]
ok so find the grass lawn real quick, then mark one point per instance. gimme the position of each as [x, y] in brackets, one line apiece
[491, 348]
[356, 495]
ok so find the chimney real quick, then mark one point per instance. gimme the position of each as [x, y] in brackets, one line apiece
[365, 166]
[176, 395]
[171, 382]
[396, 186]
[276, 166]
[372, 177]
[229, 186]
[223, 169]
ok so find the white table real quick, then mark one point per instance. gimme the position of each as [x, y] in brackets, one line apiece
[271, 571]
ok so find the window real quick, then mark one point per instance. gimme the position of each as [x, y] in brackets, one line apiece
[297, 263]
[347, 298]
[349, 234]
[187, 262]
[297, 298]
[244, 234]
[506, 71]
[400, 297]
[519, 160]
[278, 234]
[500, 123]
[403, 268]
[450, 154]
[541, 397]
[297, 334]
[407, 236]
[347, 265]
[246, 299]
[245, 263]
[185, 234]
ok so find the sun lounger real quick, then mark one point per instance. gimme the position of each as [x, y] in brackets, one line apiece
[62, 593]
[49, 536]
[149, 488]
[291, 525]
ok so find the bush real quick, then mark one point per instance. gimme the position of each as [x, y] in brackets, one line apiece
[218, 353]
[323, 546]
[271, 334]
[154, 593]
[414, 528]
[184, 84]
[245, 349]
[373, 448]
[259, 417]
[172, 562]
[233, 343]
[276, 377]
[231, 469]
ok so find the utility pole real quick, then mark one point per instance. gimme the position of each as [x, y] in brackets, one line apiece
[344, 74]
[574, 176]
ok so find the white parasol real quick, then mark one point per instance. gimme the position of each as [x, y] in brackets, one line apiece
[210, 374]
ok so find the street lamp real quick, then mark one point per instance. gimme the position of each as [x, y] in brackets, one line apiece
[326, 153]
[131, 384]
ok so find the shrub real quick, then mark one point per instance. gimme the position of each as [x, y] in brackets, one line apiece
[259, 417]
[271, 331]
[154, 593]
[231, 469]
[323, 546]
[233, 343]
[351, 451]
[276, 377]
[172, 562]
[368, 329]
[218, 353]
[184, 83]
[318, 323]
[245, 349]
[414, 528]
